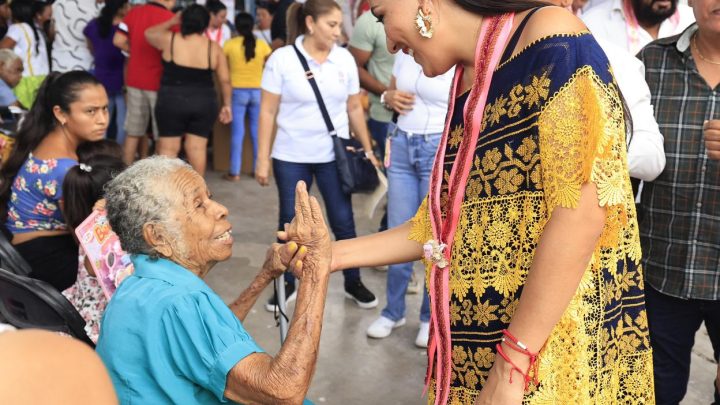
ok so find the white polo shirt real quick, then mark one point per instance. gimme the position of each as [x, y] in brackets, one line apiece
[431, 96]
[302, 136]
[607, 21]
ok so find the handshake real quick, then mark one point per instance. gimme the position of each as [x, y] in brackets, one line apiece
[308, 251]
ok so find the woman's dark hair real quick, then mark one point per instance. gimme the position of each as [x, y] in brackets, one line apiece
[84, 185]
[58, 89]
[89, 150]
[496, 7]
[215, 6]
[267, 5]
[297, 13]
[107, 15]
[194, 20]
[23, 11]
[244, 24]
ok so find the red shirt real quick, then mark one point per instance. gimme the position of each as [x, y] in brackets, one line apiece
[145, 63]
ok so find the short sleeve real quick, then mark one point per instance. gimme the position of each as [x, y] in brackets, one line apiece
[205, 340]
[361, 38]
[57, 177]
[353, 83]
[126, 23]
[263, 49]
[87, 30]
[227, 46]
[15, 33]
[272, 79]
[582, 139]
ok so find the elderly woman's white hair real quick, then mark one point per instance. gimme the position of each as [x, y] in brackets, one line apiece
[137, 197]
[7, 56]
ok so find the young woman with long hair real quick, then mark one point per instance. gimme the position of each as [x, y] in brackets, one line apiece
[217, 30]
[246, 58]
[529, 229]
[71, 108]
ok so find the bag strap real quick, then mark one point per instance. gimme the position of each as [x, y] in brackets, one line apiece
[316, 90]
[29, 50]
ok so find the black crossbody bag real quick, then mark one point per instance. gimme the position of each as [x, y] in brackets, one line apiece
[357, 173]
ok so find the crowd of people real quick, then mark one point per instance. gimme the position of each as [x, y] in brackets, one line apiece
[554, 164]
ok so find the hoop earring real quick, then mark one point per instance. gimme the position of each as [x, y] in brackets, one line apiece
[424, 25]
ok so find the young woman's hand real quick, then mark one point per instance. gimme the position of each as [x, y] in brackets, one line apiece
[262, 171]
[400, 101]
[225, 116]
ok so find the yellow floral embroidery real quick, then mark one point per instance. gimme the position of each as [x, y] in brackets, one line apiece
[599, 352]
[456, 136]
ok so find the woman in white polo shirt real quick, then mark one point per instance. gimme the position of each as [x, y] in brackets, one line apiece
[421, 104]
[303, 147]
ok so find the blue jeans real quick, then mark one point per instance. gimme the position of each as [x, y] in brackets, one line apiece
[116, 105]
[337, 203]
[673, 324]
[243, 100]
[411, 162]
[378, 130]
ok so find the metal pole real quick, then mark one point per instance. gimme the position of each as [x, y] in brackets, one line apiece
[283, 309]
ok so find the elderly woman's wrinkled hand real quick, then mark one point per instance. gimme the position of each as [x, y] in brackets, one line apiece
[282, 257]
[308, 229]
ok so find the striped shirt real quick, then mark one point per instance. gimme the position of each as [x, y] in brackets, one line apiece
[680, 231]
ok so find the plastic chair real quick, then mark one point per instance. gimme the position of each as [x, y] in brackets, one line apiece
[10, 259]
[29, 303]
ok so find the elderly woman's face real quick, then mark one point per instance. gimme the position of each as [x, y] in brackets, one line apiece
[205, 232]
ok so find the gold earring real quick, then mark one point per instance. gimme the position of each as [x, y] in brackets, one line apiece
[424, 25]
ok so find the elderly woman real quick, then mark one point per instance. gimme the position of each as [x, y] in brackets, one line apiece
[166, 336]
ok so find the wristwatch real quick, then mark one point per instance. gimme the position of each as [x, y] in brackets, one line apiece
[382, 100]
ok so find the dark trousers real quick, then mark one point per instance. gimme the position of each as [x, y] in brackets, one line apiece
[673, 324]
[337, 203]
[53, 259]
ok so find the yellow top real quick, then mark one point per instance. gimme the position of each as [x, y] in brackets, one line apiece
[244, 74]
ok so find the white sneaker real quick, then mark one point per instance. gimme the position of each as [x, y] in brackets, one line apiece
[423, 335]
[414, 285]
[382, 327]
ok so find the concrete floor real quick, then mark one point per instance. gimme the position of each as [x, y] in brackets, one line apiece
[352, 368]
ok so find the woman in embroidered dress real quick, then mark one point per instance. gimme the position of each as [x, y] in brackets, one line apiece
[529, 228]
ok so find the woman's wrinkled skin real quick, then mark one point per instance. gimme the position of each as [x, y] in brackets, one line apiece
[197, 236]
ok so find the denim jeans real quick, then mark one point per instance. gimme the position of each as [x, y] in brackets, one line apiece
[411, 162]
[243, 100]
[673, 323]
[337, 203]
[378, 131]
[116, 105]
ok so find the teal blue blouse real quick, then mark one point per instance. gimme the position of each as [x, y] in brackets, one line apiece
[166, 337]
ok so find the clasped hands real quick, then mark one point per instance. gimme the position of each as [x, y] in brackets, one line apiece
[308, 252]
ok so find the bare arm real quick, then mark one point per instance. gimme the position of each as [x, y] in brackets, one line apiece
[223, 74]
[269, 104]
[120, 40]
[562, 256]
[159, 35]
[356, 115]
[388, 247]
[277, 260]
[285, 379]
[367, 81]
[7, 43]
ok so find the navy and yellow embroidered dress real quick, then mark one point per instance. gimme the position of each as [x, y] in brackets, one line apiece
[553, 121]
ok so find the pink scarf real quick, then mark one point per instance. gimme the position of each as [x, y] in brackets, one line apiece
[493, 38]
[633, 27]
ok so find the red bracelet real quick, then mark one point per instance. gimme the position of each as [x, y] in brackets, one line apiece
[519, 347]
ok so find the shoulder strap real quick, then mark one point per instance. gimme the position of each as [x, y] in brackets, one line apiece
[316, 90]
[210, 42]
[172, 47]
[516, 37]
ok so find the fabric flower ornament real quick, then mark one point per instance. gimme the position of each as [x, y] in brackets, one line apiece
[433, 252]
